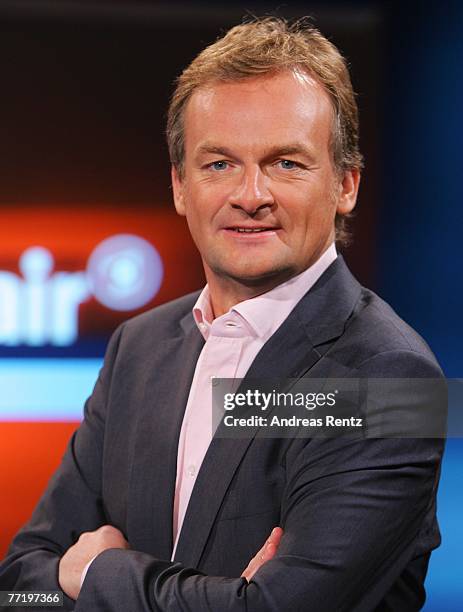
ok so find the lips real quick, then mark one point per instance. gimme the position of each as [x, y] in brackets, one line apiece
[251, 230]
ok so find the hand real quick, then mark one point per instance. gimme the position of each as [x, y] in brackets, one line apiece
[266, 553]
[89, 545]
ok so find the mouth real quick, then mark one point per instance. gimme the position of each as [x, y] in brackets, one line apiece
[251, 230]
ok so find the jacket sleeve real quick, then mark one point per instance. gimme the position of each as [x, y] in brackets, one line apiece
[71, 503]
[351, 514]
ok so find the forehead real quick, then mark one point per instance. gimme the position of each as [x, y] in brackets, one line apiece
[263, 111]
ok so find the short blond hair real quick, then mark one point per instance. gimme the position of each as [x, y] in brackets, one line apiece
[271, 45]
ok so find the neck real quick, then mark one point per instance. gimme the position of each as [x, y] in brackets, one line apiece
[227, 292]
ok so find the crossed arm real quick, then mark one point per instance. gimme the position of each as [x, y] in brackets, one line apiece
[345, 532]
[91, 544]
[346, 527]
[351, 512]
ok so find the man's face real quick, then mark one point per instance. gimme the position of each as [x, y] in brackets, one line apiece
[257, 158]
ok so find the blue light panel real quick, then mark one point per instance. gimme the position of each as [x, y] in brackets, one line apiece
[46, 389]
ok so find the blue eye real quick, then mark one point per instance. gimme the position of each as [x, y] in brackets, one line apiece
[219, 165]
[287, 164]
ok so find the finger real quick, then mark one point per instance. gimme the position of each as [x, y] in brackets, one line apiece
[270, 547]
[111, 537]
[269, 552]
[109, 530]
[106, 536]
[266, 553]
[253, 565]
[275, 536]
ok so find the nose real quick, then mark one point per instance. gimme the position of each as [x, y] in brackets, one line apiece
[252, 193]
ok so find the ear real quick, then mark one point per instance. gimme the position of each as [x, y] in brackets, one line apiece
[177, 188]
[348, 189]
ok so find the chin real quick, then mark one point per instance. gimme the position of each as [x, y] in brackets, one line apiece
[258, 276]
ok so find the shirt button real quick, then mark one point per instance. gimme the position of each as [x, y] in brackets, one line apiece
[191, 470]
[214, 381]
[231, 324]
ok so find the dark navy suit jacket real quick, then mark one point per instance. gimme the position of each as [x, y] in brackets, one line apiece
[358, 515]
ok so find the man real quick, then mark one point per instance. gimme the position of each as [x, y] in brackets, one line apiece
[263, 139]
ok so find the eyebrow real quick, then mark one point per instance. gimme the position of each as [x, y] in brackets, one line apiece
[211, 148]
[277, 151]
[291, 149]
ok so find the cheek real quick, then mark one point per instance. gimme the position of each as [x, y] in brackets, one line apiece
[307, 211]
[199, 216]
[205, 217]
[297, 205]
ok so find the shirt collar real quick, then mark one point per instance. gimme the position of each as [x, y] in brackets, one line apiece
[202, 312]
[265, 313]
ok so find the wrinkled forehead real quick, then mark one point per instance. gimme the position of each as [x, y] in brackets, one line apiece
[307, 82]
[284, 106]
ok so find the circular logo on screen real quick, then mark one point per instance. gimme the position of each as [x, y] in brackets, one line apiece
[125, 272]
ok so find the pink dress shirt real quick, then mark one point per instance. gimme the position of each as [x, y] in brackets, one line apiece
[232, 342]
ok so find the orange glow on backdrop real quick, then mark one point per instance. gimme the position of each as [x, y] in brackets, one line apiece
[29, 454]
[71, 232]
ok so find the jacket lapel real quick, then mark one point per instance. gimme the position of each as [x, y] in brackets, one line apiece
[152, 481]
[317, 320]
